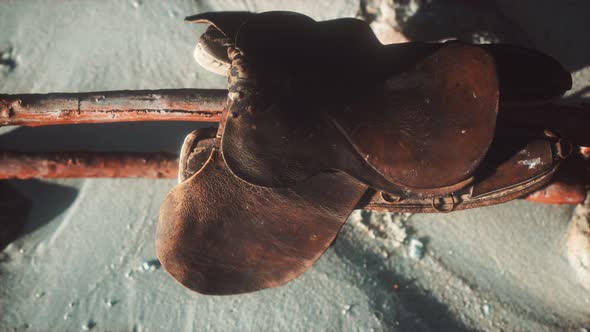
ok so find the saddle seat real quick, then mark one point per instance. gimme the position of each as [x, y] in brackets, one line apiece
[293, 116]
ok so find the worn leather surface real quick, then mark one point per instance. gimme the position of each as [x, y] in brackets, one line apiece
[401, 127]
[507, 173]
[431, 125]
[220, 235]
[211, 49]
[322, 119]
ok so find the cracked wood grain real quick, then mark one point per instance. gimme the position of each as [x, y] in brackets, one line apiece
[112, 106]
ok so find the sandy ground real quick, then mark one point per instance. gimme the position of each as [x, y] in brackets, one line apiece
[86, 257]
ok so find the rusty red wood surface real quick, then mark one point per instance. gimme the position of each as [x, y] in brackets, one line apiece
[570, 184]
[559, 193]
[112, 106]
[26, 165]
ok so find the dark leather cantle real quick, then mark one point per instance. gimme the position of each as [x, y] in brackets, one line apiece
[322, 119]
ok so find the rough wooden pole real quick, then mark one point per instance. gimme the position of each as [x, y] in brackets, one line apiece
[34, 165]
[112, 106]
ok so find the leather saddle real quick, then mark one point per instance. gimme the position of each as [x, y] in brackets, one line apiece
[322, 119]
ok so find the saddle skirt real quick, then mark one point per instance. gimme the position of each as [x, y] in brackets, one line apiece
[322, 119]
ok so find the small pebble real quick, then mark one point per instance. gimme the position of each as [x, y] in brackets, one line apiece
[89, 325]
[110, 303]
[416, 249]
[151, 265]
[346, 309]
[485, 309]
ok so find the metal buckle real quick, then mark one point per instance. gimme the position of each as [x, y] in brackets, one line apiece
[440, 207]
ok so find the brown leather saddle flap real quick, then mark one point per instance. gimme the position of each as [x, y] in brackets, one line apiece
[511, 163]
[511, 170]
[218, 234]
